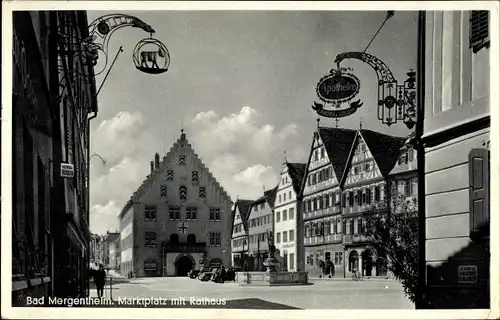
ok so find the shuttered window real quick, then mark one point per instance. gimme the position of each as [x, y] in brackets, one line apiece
[479, 176]
[479, 33]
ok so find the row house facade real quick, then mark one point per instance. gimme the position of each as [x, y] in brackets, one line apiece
[365, 186]
[179, 219]
[239, 238]
[288, 224]
[260, 224]
[321, 199]
[53, 101]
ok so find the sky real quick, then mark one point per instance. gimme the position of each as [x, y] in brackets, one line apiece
[241, 85]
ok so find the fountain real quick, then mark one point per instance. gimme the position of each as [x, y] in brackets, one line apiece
[272, 276]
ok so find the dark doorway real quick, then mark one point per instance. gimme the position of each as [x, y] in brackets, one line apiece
[367, 258]
[174, 238]
[183, 266]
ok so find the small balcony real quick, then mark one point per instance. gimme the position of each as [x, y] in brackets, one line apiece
[329, 238]
[185, 247]
[321, 212]
[355, 238]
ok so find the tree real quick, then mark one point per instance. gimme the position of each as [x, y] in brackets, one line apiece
[394, 236]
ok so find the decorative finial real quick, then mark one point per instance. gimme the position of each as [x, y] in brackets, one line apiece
[361, 123]
[284, 152]
[264, 189]
[318, 120]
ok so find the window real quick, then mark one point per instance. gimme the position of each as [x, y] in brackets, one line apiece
[285, 236]
[360, 225]
[150, 264]
[150, 213]
[367, 166]
[369, 195]
[479, 202]
[292, 261]
[289, 195]
[291, 235]
[308, 230]
[214, 214]
[309, 206]
[316, 155]
[313, 178]
[377, 193]
[403, 159]
[344, 202]
[170, 174]
[478, 30]
[351, 198]
[278, 237]
[163, 190]
[335, 227]
[183, 193]
[182, 159]
[360, 196]
[278, 216]
[214, 238]
[351, 226]
[150, 239]
[344, 228]
[414, 191]
[174, 213]
[326, 229]
[284, 197]
[285, 213]
[194, 177]
[407, 187]
[279, 198]
[291, 213]
[255, 208]
[322, 153]
[356, 170]
[191, 213]
[410, 154]
[326, 201]
[202, 192]
[262, 206]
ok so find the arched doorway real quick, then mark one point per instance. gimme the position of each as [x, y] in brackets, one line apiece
[353, 261]
[367, 262]
[183, 264]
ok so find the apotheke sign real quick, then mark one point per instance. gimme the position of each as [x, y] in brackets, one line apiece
[67, 170]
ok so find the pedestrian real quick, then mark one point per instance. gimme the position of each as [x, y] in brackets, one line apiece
[99, 279]
[222, 274]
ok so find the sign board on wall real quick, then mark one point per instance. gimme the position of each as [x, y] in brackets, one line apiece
[467, 274]
[67, 170]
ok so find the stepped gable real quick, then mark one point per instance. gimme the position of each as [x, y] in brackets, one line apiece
[384, 148]
[296, 172]
[182, 142]
[338, 143]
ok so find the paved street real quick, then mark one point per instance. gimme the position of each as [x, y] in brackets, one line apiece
[322, 294]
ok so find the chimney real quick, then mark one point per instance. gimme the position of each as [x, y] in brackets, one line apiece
[157, 160]
[152, 166]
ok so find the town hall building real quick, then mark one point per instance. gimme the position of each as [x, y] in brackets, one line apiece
[179, 219]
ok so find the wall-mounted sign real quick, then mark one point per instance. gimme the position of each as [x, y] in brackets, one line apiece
[67, 170]
[336, 88]
[467, 274]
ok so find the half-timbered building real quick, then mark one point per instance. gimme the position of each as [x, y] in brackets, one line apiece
[239, 245]
[364, 187]
[321, 200]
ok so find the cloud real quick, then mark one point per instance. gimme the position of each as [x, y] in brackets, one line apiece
[104, 217]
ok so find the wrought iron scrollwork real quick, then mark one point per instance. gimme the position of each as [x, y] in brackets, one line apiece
[395, 102]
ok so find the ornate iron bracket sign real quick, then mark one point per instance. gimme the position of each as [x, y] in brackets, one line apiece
[337, 87]
[147, 60]
[396, 102]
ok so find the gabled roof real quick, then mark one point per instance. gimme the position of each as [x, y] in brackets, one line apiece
[296, 172]
[338, 143]
[269, 196]
[244, 208]
[384, 148]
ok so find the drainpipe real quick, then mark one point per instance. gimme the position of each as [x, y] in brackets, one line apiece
[419, 130]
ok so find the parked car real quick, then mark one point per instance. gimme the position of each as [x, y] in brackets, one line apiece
[206, 275]
[193, 274]
[231, 273]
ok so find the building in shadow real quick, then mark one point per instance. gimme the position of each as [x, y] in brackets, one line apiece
[53, 96]
[454, 165]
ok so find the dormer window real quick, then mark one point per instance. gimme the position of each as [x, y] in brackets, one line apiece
[403, 159]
